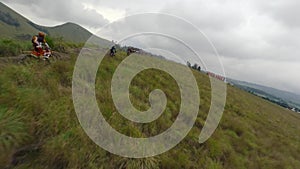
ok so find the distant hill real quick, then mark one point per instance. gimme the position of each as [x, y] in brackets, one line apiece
[69, 30]
[14, 25]
[279, 96]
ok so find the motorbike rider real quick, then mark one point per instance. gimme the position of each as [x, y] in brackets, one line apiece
[38, 41]
[113, 51]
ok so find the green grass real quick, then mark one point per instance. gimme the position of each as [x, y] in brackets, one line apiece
[9, 47]
[12, 47]
[36, 108]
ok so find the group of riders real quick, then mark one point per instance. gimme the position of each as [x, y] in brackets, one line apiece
[43, 50]
[130, 50]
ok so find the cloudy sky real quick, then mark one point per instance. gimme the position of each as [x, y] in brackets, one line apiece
[257, 40]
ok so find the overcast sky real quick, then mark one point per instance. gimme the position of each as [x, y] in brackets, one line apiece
[258, 40]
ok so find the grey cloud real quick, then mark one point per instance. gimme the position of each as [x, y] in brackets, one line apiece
[170, 33]
[63, 11]
[281, 75]
[207, 16]
[251, 48]
[256, 35]
[286, 12]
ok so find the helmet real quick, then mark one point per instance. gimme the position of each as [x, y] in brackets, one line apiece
[41, 34]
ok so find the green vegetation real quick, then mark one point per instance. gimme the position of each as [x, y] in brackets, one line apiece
[39, 128]
[9, 47]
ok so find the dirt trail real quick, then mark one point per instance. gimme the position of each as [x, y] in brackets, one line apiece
[17, 59]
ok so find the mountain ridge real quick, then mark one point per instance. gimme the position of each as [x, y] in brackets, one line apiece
[16, 26]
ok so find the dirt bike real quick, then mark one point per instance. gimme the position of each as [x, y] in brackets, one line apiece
[112, 54]
[131, 50]
[41, 54]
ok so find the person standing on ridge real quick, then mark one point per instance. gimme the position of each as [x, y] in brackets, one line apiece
[113, 51]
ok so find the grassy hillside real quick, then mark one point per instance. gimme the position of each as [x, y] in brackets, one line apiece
[14, 25]
[39, 128]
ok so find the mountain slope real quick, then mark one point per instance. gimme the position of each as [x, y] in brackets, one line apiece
[14, 25]
[70, 31]
[38, 118]
[291, 99]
